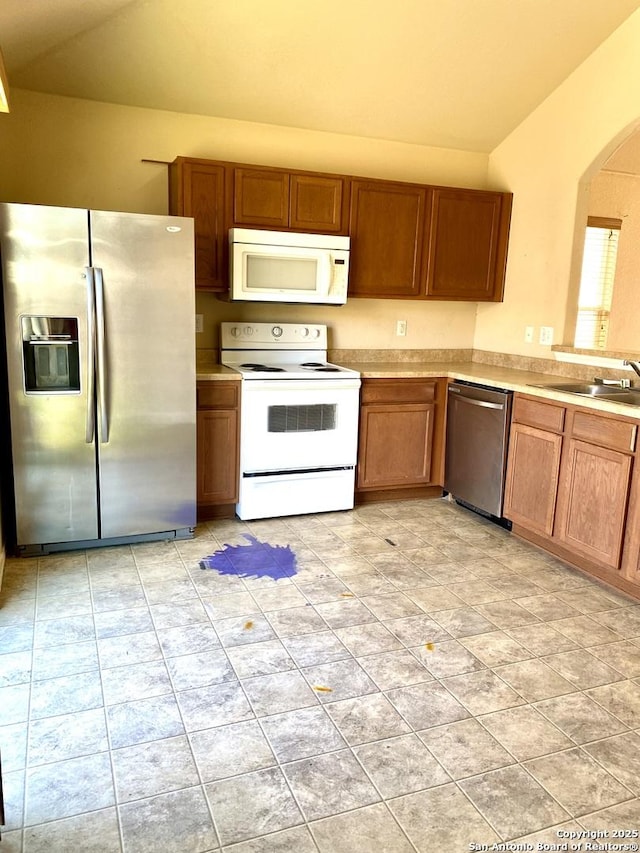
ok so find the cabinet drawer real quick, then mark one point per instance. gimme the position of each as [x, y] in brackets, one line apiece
[605, 432]
[536, 414]
[218, 395]
[398, 391]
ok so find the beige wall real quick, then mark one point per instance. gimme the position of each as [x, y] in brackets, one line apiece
[80, 153]
[361, 323]
[72, 152]
[548, 162]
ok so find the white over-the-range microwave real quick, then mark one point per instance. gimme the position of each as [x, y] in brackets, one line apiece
[282, 266]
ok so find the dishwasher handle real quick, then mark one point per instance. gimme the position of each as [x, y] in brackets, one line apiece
[483, 403]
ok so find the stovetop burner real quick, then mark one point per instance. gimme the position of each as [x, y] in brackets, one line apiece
[263, 368]
[320, 367]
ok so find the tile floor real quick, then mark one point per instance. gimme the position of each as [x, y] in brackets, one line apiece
[426, 682]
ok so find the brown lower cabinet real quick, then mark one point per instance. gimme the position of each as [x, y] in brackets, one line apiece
[400, 449]
[218, 432]
[533, 469]
[572, 486]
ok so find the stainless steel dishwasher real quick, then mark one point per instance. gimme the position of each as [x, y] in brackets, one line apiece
[478, 419]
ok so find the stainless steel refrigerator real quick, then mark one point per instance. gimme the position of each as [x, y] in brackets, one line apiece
[100, 335]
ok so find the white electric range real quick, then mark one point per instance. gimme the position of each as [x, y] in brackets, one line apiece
[298, 421]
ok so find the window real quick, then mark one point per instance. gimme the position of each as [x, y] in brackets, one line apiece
[596, 282]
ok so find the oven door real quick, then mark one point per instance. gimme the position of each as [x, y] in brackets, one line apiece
[288, 425]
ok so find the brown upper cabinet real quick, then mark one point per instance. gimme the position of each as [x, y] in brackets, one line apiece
[418, 242]
[260, 198]
[408, 241]
[386, 225]
[270, 198]
[198, 188]
[467, 245]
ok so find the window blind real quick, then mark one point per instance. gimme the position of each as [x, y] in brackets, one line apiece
[596, 282]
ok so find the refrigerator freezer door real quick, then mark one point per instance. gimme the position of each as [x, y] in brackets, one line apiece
[145, 386]
[44, 255]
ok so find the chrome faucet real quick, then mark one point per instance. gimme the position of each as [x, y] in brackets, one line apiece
[633, 365]
[615, 383]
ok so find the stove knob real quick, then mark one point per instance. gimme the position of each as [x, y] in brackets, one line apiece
[315, 333]
[277, 331]
[304, 332]
[248, 331]
[236, 332]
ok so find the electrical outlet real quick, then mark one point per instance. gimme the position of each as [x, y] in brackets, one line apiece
[199, 322]
[401, 328]
[546, 335]
[528, 334]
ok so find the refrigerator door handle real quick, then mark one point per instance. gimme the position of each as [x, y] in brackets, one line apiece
[91, 355]
[101, 362]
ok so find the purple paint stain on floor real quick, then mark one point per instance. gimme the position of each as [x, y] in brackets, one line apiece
[255, 560]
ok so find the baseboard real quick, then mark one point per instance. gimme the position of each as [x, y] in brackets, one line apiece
[207, 512]
[375, 495]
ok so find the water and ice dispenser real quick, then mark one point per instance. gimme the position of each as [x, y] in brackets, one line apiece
[51, 355]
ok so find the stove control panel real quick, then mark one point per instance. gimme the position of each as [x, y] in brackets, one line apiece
[273, 335]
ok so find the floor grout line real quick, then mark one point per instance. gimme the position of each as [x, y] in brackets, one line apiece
[314, 534]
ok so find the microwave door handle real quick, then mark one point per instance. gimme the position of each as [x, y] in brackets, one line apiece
[325, 273]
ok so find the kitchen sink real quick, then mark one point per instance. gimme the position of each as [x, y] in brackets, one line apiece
[624, 395]
[595, 390]
[630, 396]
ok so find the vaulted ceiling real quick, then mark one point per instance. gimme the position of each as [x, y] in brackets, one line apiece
[447, 73]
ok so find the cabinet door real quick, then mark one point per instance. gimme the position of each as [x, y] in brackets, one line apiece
[217, 456]
[467, 245]
[395, 445]
[533, 469]
[592, 502]
[261, 198]
[631, 548]
[386, 225]
[316, 203]
[198, 190]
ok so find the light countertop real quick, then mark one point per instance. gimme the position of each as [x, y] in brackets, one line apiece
[486, 374]
[213, 372]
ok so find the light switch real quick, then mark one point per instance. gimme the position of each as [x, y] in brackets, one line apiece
[199, 322]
